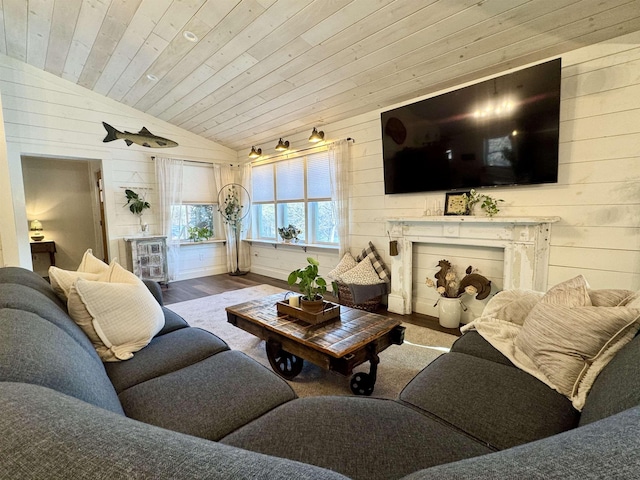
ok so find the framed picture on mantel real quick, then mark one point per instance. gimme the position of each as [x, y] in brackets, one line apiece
[455, 203]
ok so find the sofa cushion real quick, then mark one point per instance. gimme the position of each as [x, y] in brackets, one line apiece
[33, 350]
[617, 388]
[499, 405]
[208, 399]
[607, 449]
[172, 321]
[118, 313]
[21, 297]
[164, 354]
[49, 435]
[472, 343]
[363, 438]
[27, 278]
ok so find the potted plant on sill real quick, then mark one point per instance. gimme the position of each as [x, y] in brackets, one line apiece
[289, 233]
[311, 285]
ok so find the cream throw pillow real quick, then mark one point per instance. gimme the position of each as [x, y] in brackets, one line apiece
[117, 312]
[346, 264]
[90, 269]
[362, 274]
[512, 305]
[567, 343]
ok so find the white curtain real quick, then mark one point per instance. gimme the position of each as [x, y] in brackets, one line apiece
[169, 179]
[224, 175]
[339, 162]
[244, 179]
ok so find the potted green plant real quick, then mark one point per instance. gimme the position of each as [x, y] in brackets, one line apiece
[289, 233]
[311, 285]
[137, 205]
[487, 203]
[198, 234]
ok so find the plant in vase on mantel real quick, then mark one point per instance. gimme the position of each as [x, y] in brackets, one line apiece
[451, 289]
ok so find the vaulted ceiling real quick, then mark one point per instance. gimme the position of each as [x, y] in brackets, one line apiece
[263, 69]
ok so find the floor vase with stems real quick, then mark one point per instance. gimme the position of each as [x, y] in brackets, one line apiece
[449, 312]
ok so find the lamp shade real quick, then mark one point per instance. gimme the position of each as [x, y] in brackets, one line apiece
[255, 153]
[36, 225]
[282, 146]
[316, 136]
[36, 228]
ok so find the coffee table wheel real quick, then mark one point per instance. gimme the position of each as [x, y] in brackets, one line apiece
[362, 383]
[286, 364]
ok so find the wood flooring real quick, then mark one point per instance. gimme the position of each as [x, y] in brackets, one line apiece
[184, 290]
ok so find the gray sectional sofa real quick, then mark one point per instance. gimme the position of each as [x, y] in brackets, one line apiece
[186, 406]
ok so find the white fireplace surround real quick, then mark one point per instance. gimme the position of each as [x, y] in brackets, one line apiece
[525, 241]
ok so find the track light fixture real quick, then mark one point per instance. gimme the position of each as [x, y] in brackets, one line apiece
[255, 153]
[282, 146]
[316, 136]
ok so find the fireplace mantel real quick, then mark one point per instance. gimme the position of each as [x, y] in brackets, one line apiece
[525, 241]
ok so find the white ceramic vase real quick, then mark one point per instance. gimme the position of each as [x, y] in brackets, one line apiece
[449, 312]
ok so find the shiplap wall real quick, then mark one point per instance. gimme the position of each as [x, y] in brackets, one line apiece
[48, 116]
[597, 194]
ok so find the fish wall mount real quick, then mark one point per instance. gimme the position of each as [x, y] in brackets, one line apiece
[143, 138]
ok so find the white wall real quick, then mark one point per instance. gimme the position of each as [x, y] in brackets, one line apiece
[51, 117]
[597, 194]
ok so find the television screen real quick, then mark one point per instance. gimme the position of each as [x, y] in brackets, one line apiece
[499, 132]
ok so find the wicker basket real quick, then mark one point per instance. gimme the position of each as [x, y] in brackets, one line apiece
[346, 299]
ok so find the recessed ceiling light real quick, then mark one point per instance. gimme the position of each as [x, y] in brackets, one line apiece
[152, 77]
[192, 37]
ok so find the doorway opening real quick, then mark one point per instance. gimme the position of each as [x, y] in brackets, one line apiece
[65, 196]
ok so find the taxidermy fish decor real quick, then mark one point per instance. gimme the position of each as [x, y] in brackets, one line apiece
[144, 138]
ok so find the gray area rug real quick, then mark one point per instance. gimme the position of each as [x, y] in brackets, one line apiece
[398, 363]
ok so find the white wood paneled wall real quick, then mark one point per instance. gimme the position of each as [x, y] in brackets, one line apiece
[48, 116]
[597, 196]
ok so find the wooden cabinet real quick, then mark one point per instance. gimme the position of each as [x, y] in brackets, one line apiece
[148, 257]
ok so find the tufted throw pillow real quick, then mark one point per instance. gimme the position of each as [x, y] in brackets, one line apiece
[376, 260]
[362, 274]
[90, 269]
[346, 264]
[117, 312]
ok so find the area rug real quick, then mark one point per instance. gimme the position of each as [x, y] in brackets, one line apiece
[398, 363]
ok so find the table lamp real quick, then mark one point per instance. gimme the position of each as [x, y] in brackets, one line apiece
[36, 228]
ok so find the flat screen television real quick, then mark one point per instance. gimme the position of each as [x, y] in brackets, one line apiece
[498, 132]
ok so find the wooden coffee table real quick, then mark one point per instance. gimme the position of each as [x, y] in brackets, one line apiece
[339, 345]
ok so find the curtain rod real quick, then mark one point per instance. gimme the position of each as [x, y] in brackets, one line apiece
[293, 152]
[202, 163]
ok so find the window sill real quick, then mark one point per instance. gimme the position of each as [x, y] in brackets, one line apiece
[203, 242]
[304, 246]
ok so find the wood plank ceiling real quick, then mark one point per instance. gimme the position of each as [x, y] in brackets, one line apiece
[264, 69]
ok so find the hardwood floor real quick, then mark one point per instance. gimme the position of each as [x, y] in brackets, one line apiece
[184, 290]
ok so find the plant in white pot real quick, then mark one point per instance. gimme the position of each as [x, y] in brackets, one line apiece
[311, 285]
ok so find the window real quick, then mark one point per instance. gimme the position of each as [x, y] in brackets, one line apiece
[296, 191]
[193, 221]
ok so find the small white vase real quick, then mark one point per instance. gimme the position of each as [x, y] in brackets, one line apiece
[449, 312]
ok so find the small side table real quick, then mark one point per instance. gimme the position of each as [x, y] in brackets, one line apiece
[45, 246]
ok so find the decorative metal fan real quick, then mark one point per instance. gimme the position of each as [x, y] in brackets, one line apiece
[234, 204]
